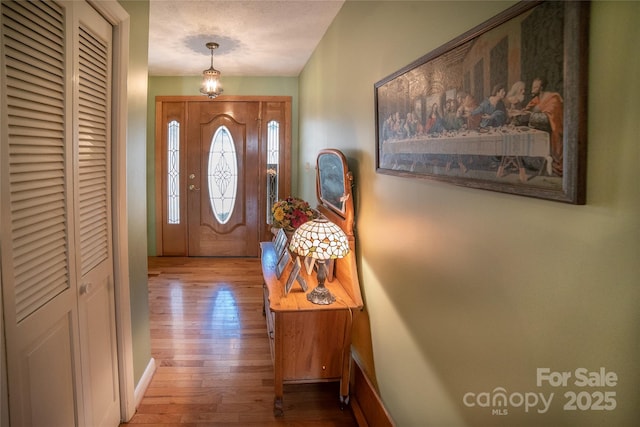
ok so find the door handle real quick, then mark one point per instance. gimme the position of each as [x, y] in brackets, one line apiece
[85, 288]
[193, 188]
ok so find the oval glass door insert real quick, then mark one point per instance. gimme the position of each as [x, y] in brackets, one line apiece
[222, 175]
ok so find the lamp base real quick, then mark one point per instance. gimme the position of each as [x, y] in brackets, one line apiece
[321, 295]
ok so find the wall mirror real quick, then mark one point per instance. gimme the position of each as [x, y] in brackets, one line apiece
[334, 185]
[333, 180]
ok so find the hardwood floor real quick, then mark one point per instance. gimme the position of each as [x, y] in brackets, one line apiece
[209, 341]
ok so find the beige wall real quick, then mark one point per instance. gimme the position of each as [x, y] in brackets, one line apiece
[469, 290]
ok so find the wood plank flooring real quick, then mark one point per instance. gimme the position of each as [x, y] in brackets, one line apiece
[209, 341]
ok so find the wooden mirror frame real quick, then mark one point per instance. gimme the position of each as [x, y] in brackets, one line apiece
[345, 268]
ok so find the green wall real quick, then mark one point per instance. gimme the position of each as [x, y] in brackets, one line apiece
[190, 86]
[136, 184]
[469, 290]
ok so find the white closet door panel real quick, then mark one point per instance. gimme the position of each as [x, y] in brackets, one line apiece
[38, 196]
[93, 155]
[92, 112]
[38, 271]
[50, 395]
[55, 214]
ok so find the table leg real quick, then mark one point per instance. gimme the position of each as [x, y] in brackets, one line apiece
[461, 164]
[344, 402]
[522, 173]
[504, 163]
[278, 409]
[346, 361]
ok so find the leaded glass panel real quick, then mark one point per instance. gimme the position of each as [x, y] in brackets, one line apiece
[222, 175]
[173, 168]
[273, 166]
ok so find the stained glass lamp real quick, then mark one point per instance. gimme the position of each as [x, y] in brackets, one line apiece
[322, 240]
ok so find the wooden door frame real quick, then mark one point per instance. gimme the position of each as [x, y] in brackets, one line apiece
[118, 17]
[284, 181]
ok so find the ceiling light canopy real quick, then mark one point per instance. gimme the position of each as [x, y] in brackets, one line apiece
[211, 85]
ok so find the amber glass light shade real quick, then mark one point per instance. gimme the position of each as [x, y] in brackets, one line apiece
[211, 85]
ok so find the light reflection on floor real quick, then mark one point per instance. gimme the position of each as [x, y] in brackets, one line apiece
[176, 305]
[176, 302]
[224, 313]
[213, 308]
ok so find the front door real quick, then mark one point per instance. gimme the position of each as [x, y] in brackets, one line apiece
[220, 165]
[222, 179]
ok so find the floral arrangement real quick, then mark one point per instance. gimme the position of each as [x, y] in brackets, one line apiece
[291, 213]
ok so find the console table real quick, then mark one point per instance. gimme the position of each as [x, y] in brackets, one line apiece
[310, 342]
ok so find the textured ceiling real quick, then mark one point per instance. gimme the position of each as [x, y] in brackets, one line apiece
[256, 38]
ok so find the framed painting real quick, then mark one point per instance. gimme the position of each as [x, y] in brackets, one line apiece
[283, 261]
[501, 107]
[280, 243]
[308, 264]
[295, 273]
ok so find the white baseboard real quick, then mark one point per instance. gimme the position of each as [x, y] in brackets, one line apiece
[144, 382]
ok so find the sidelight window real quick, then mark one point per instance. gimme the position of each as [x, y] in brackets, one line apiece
[273, 165]
[173, 172]
[222, 175]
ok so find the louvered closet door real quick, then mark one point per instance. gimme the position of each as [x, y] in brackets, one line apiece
[92, 127]
[55, 216]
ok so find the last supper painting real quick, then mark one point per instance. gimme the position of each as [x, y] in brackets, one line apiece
[501, 107]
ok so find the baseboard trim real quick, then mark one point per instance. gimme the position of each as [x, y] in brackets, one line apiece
[144, 382]
[366, 404]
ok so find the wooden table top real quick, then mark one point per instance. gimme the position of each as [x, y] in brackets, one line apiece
[296, 299]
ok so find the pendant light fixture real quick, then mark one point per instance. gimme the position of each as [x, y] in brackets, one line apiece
[211, 85]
